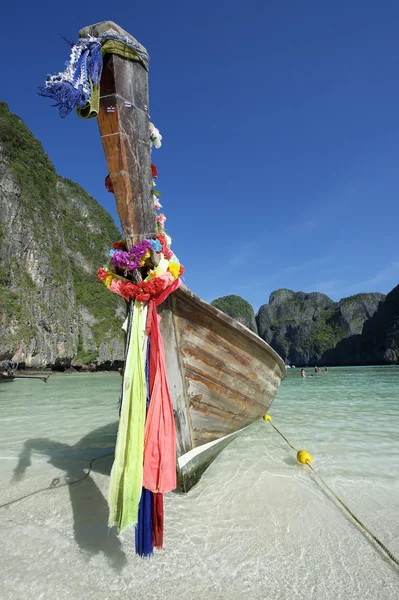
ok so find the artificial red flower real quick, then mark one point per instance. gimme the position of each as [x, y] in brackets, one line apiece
[128, 288]
[119, 245]
[167, 252]
[108, 184]
[162, 238]
[102, 274]
[159, 285]
[154, 171]
[181, 270]
[142, 297]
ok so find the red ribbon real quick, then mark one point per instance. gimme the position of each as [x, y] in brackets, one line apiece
[159, 474]
[108, 184]
[157, 521]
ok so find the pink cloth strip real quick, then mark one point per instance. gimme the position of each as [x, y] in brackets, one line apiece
[160, 434]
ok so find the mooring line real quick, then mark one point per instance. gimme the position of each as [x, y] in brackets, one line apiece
[304, 457]
[55, 485]
[279, 432]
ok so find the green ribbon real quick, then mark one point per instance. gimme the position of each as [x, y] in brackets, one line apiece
[127, 471]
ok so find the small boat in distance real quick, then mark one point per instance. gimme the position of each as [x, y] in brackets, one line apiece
[7, 368]
[7, 372]
[4, 378]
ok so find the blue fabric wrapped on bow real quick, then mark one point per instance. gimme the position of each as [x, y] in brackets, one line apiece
[74, 87]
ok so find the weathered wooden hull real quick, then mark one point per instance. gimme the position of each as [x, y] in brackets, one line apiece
[222, 378]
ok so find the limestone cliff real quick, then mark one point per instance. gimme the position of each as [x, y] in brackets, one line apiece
[378, 342]
[310, 328]
[380, 336]
[53, 237]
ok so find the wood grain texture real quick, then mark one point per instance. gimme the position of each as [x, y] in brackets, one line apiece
[176, 380]
[229, 375]
[124, 128]
[222, 377]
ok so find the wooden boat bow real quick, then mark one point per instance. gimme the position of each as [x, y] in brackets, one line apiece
[123, 120]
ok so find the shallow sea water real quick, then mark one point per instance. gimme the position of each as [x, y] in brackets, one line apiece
[258, 525]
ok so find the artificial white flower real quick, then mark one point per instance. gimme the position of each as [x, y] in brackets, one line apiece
[155, 136]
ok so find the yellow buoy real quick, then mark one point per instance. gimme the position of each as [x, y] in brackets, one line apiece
[303, 457]
[267, 418]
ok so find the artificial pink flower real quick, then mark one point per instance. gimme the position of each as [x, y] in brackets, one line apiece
[167, 278]
[161, 220]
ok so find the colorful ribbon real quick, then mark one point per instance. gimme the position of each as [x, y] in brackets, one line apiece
[160, 434]
[127, 471]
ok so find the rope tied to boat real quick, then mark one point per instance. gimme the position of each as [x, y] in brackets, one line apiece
[305, 458]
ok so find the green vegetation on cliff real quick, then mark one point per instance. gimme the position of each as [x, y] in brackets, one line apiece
[28, 162]
[53, 237]
[238, 308]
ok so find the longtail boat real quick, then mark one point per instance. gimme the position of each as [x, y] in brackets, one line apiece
[222, 377]
[7, 368]
[4, 378]
[194, 378]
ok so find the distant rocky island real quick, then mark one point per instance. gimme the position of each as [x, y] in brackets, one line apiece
[311, 329]
[54, 236]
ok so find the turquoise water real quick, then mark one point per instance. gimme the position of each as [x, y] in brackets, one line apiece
[258, 525]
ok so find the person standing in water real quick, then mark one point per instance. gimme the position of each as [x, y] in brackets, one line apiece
[325, 370]
[303, 373]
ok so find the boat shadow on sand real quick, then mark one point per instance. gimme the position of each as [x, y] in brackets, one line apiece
[90, 508]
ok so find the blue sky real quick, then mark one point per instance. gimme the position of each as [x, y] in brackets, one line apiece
[280, 134]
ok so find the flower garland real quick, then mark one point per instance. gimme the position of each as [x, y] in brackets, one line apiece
[158, 279]
[163, 265]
